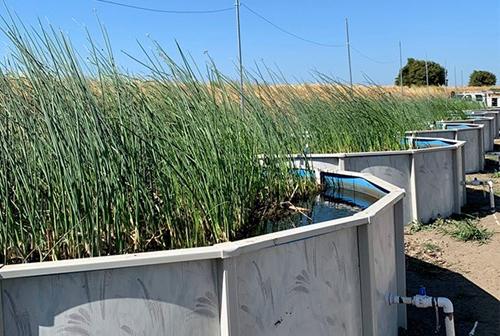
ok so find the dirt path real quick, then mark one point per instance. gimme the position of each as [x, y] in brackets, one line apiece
[466, 272]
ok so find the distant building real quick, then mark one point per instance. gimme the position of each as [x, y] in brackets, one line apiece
[493, 98]
[490, 98]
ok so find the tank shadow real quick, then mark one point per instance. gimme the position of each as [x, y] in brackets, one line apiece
[471, 303]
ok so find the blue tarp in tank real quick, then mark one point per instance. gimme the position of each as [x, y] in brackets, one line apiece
[458, 126]
[353, 190]
[430, 143]
[420, 144]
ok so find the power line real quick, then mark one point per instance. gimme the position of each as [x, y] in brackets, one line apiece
[368, 57]
[283, 30]
[157, 10]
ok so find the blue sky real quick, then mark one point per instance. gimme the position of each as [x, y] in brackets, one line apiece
[463, 35]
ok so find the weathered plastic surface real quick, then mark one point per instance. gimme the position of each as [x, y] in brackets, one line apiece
[395, 169]
[170, 299]
[330, 278]
[489, 132]
[472, 134]
[473, 149]
[490, 113]
[385, 271]
[435, 182]
[309, 287]
[413, 170]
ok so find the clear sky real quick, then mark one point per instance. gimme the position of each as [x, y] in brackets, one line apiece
[463, 35]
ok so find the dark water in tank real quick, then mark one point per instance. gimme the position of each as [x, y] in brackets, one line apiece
[320, 208]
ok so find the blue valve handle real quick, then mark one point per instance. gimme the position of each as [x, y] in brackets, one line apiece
[422, 291]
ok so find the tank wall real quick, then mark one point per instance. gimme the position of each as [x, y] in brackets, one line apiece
[473, 149]
[169, 299]
[431, 185]
[495, 114]
[395, 169]
[435, 180]
[488, 134]
[325, 279]
[384, 240]
[320, 162]
[445, 134]
[309, 287]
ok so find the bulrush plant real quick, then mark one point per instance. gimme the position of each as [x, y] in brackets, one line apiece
[94, 161]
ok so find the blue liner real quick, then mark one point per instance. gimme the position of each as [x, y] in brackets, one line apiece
[457, 126]
[351, 190]
[300, 172]
[429, 143]
[420, 144]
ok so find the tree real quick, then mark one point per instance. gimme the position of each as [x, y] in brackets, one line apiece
[414, 73]
[482, 78]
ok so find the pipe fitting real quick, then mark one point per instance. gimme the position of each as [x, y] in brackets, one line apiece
[421, 300]
[446, 304]
[489, 183]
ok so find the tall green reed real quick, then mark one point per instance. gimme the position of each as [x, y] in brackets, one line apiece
[94, 161]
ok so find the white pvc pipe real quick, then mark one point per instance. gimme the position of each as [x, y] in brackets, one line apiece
[424, 301]
[447, 306]
[492, 195]
[473, 331]
[489, 183]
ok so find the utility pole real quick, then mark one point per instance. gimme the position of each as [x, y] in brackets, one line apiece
[426, 73]
[348, 51]
[400, 68]
[240, 60]
[455, 75]
[446, 73]
[461, 78]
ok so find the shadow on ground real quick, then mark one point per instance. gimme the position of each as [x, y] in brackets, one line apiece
[478, 203]
[471, 303]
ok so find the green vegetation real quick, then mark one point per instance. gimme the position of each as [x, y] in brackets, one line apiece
[482, 78]
[94, 161]
[467, 230]
[431, 247]
[463, 228]
[417, 226]
[414, 73]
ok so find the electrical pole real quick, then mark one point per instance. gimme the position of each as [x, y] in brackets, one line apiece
[455, 75]
[400, 68]
[240, 60]
[348, 51]
[461, 78]
[446, 73]
[426, 73]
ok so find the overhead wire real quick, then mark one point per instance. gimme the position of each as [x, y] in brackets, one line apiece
[157, 10]
[255, 13]
[368, 57]
[283, 30]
